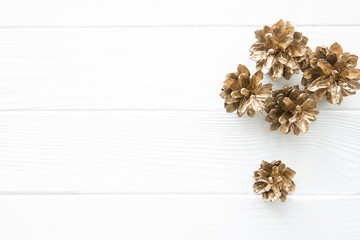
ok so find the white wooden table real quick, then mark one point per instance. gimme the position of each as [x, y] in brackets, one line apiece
[111, 126]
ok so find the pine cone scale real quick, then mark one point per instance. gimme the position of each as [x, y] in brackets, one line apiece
[337, 49]
[352, 74]
[230, 108]
[285, 42]
[297, 51]
[325, 67]
[277, 71]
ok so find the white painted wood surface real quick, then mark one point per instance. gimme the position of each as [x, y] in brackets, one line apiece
[111, 126]
[170, 152]
[59, 13]
[134, 68]
[178, 217]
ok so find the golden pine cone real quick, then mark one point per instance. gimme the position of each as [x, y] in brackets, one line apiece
[244, 93]
[331, 72]
[273, 181]
[278, 50]
[290, 109]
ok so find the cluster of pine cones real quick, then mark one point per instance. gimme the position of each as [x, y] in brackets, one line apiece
[280, 51]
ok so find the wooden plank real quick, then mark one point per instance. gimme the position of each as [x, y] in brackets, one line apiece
[170, 152]
[178, 217]
[134, 68]
[180, 12]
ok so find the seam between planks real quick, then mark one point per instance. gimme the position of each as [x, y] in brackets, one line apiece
[38, 193]
[144, 110]
[172, 26]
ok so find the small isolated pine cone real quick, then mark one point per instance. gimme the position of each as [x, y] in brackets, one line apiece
[244, 93]
[332, 73]
[273, 181]
[278, 50]
[290, 109]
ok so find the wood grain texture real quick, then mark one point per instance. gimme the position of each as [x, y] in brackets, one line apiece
[134, 68]
[179, 12]
[111, 127]
[177, 217]
[170, 152]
